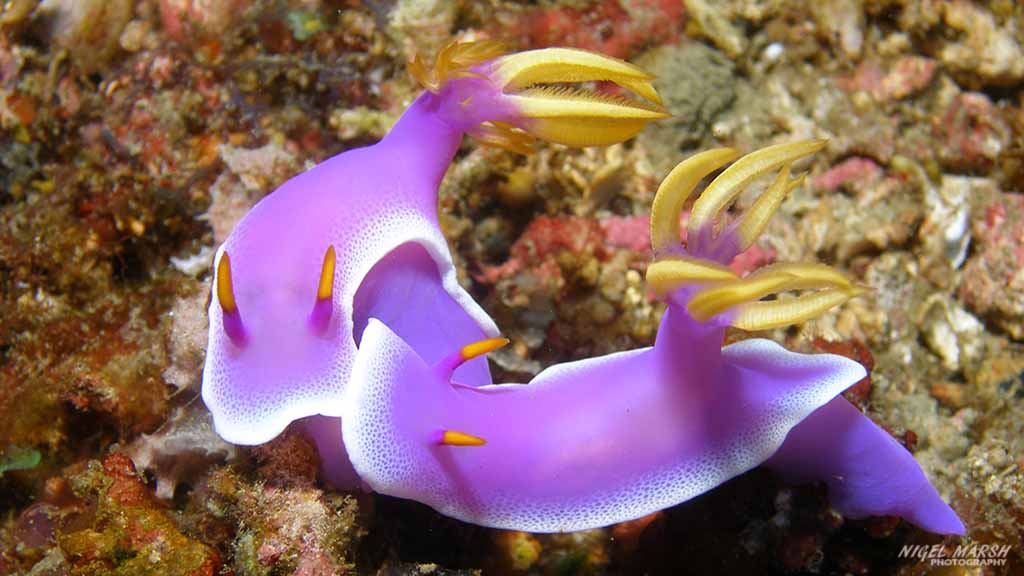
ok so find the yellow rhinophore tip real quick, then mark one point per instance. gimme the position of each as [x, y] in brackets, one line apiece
[470, 351]
[225, 289]
[667, 274]
[571, 65]
[326, 286]
[455, 438]
[676, 188]
[731, 181]
[579, 118]
[449, 363]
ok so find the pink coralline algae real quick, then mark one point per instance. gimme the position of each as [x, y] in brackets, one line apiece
[971, 133]
[608, 26]
[602, 237]
[357, 315]
[993, 282]
[904, 77]
[205, 17]
[852, 170]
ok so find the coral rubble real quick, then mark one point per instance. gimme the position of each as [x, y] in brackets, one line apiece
[134, 134]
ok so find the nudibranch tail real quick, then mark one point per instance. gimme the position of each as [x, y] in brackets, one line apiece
[320, 317]
[711, 289]
[867, 471]
[232, 319]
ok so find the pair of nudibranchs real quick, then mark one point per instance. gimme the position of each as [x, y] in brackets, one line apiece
[336, 303]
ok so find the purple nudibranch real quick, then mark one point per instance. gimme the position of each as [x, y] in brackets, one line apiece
[336, 297]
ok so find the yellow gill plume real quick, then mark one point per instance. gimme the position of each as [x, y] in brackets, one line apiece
[571, 65]
[757, 216]
[502, 135]
[768, 281]
[581, 118]
[534, 82]
[733, 179]
[719, 288]
[670, 272]
[676, 188]
[575, 116]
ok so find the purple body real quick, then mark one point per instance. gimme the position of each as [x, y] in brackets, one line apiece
[378, 207]
[613, 438]
[585, 444]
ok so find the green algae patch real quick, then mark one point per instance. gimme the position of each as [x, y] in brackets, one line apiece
[18, 458]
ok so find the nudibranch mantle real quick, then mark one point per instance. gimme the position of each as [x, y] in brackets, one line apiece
[586, 443]
[285, 370]
[610, 439]
[357, 236]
